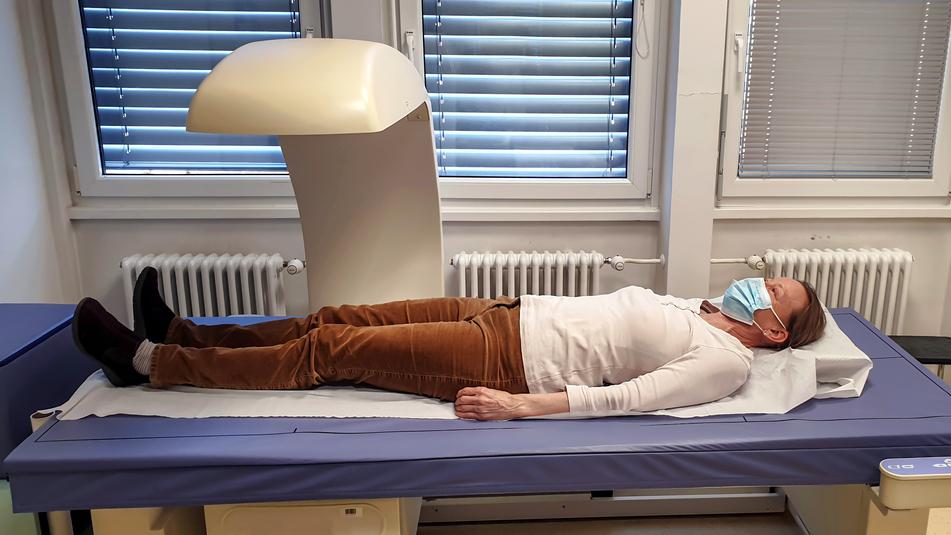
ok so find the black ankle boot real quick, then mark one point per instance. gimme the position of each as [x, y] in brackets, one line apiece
[151, 316]
[100, 335]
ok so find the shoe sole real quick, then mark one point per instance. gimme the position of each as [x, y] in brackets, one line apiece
[138, 319]
[75, 326]
[111, 375]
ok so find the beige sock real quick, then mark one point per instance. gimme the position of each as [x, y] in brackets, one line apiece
[142, 361]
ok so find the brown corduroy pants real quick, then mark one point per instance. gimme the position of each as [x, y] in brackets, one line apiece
[432, 347]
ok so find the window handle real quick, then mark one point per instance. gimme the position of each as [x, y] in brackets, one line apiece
[410, 37]
[740, 51]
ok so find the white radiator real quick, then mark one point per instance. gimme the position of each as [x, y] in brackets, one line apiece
[213, 284]
[490, 275]
[873, 282]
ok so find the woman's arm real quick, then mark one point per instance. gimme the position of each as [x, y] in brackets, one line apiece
[481, 403]
[701, 375]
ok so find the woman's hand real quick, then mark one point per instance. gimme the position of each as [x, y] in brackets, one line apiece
[481, 403]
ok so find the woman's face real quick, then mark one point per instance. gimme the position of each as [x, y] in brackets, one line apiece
[789, 299]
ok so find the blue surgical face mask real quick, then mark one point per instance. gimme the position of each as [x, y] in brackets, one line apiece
[744, 297]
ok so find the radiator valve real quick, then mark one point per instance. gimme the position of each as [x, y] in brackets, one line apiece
[756, 262]
[294, 266]
[616, 261]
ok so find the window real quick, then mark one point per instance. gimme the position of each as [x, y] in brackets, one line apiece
[130, 85]
[146, 63]
[535, 91]
[533, 99]
[845, 92]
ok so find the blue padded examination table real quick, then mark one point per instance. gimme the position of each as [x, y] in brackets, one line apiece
[131, 461]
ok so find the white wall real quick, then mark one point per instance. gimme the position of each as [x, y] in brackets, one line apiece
[691, 134]
[607, 237]
[946, 323]
[102, 243]
[29, 258]
[928, 241]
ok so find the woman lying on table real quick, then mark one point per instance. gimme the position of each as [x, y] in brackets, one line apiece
[496, 359]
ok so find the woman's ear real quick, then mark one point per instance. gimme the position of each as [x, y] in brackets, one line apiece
[776, 336]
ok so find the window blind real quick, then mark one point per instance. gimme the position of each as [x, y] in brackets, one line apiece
[529, 88]
[843, 88]
[147, 58]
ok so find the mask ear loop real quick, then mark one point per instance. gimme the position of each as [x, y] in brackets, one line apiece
[763, 330]
[777, 317]
[773, 310]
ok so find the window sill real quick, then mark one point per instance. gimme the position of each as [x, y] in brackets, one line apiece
[722, 213]
[453, 210]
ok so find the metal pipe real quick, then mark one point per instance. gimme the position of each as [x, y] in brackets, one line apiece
[753, 261]
[617, 261]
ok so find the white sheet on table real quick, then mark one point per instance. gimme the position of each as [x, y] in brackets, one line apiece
[779, 381]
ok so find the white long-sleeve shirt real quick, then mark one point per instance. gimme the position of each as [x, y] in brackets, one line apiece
[628, 350]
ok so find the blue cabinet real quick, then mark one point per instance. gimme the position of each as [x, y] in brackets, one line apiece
[40, 367]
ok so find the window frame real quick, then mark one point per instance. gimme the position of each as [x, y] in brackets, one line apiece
[642, 146]
[83, 138]
[731, 185]
[89, 180]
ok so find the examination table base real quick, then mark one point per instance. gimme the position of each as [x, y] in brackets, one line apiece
[822, 510]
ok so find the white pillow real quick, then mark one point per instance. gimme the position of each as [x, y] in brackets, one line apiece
[841, 367]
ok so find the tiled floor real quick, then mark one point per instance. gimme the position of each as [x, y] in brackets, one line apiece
[765, 524]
